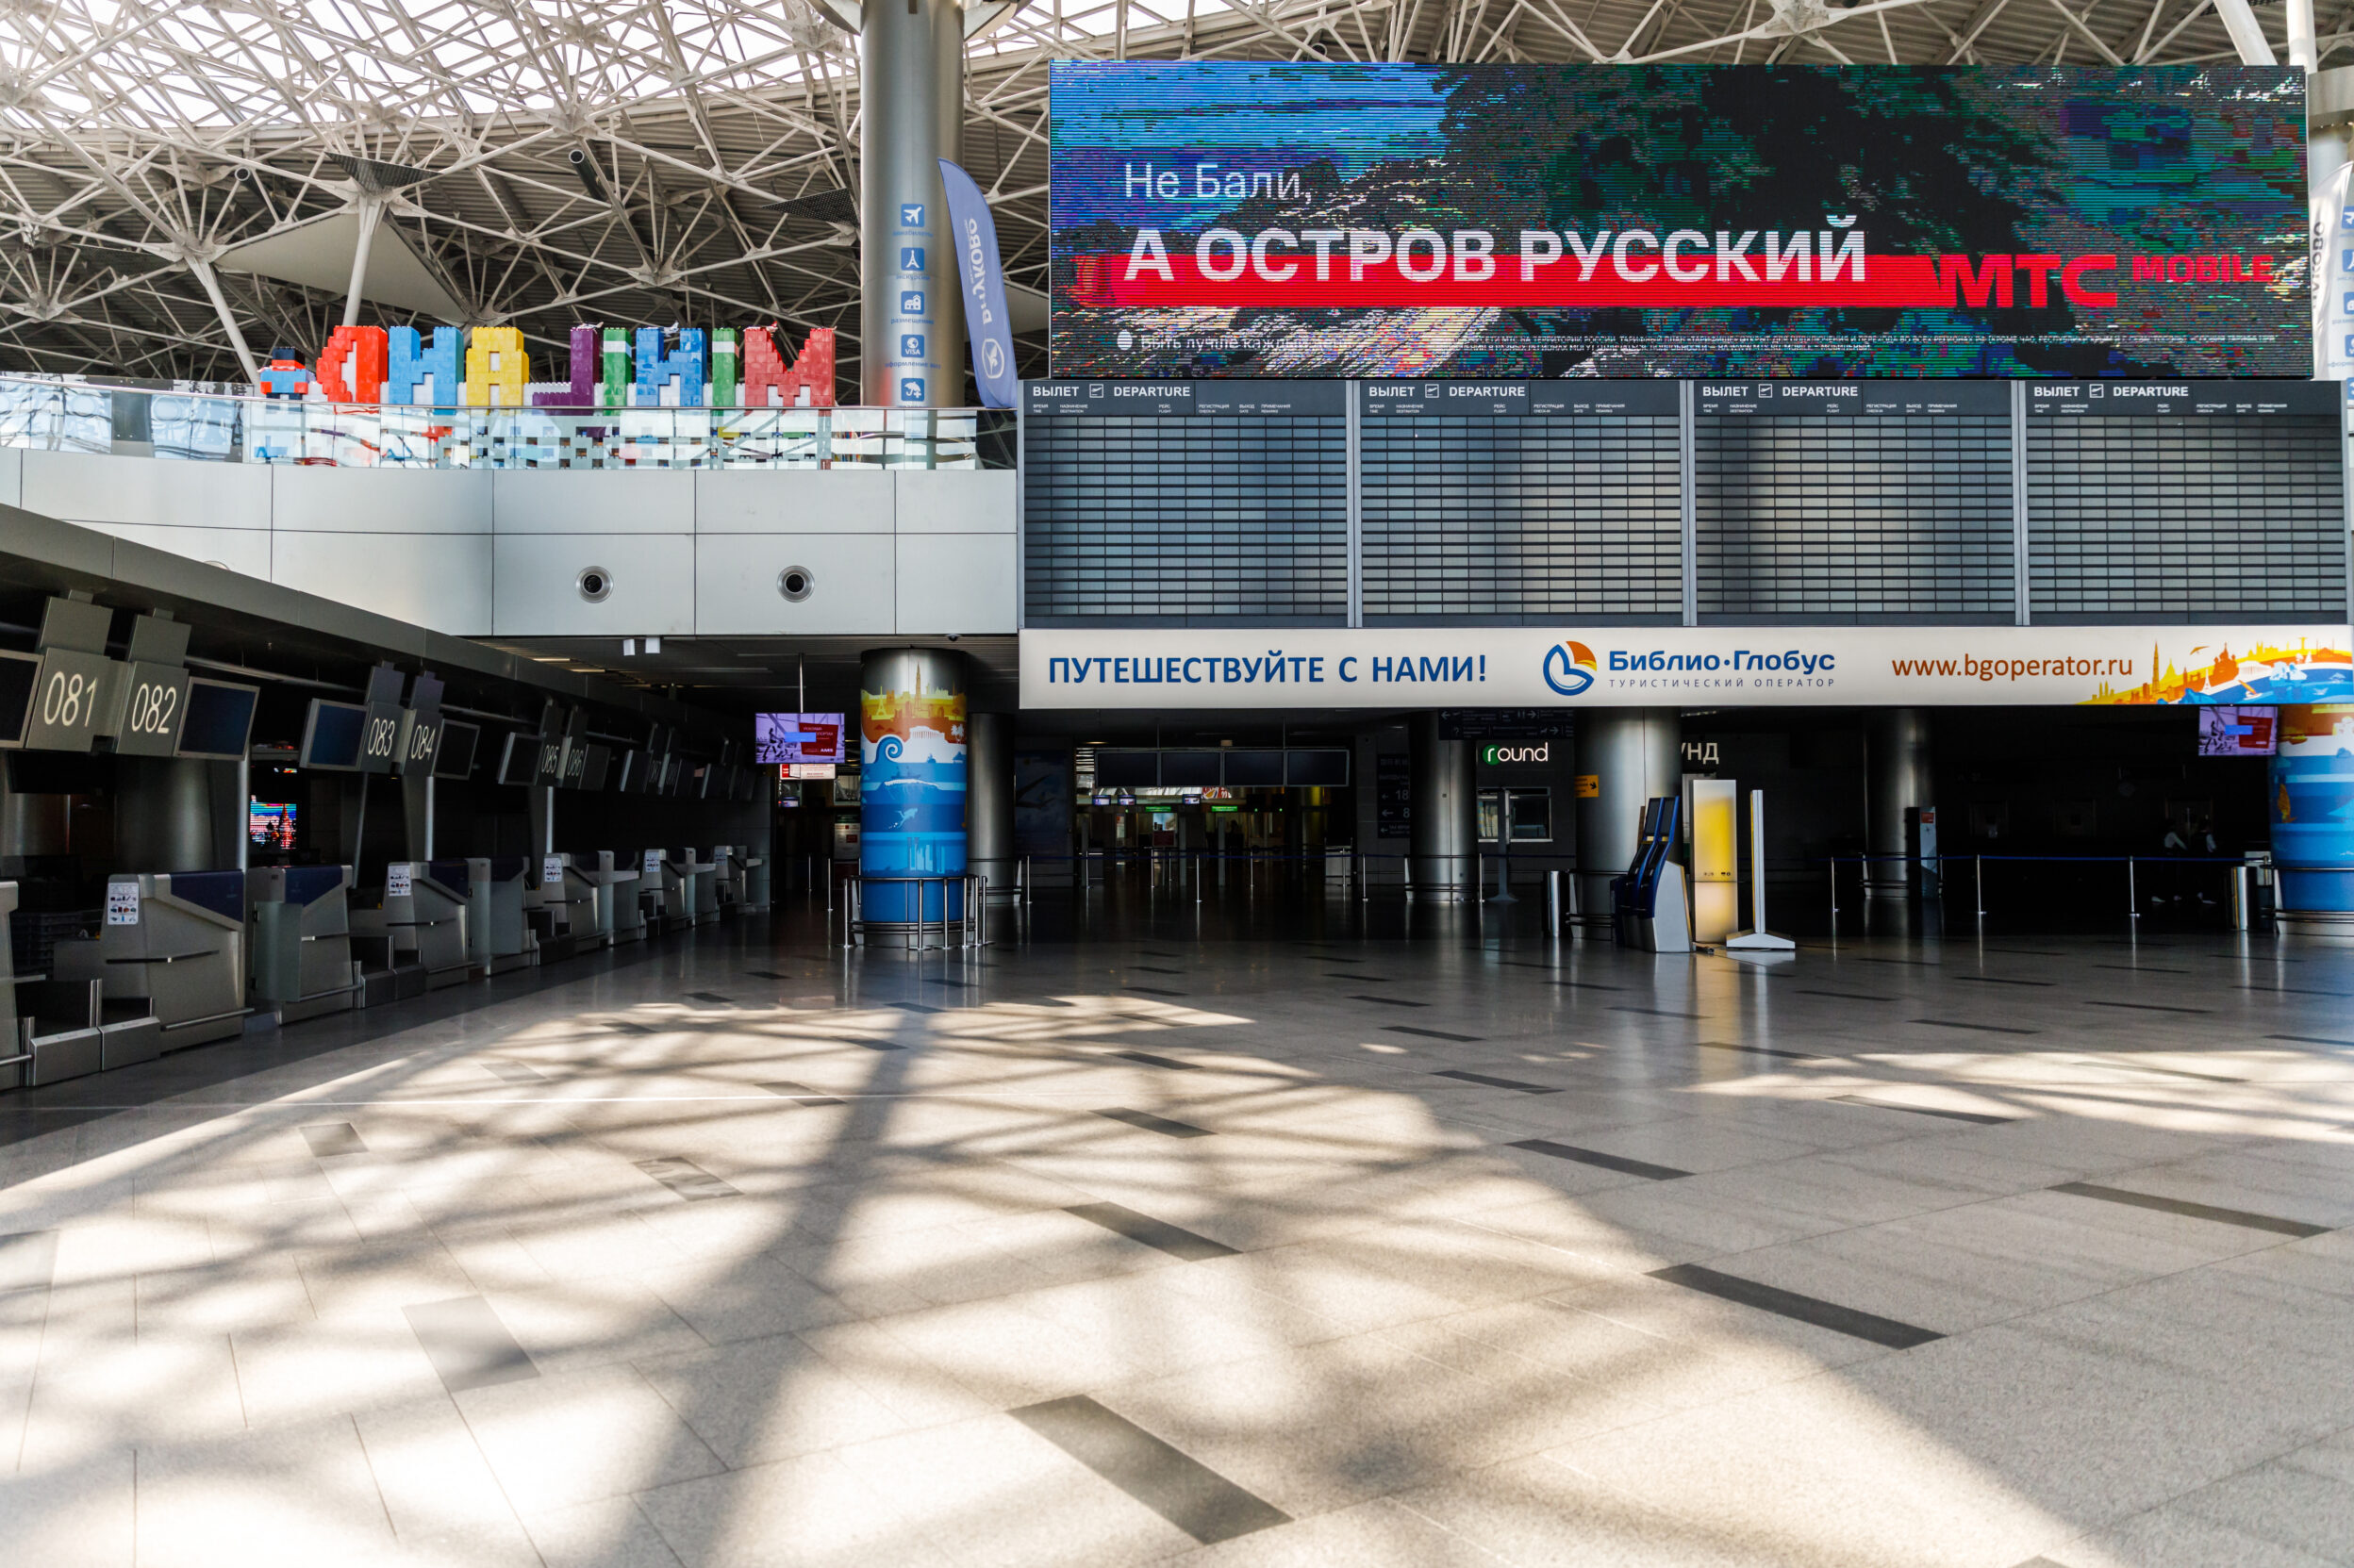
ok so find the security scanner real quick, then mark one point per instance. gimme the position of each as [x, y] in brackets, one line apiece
[302, 939]
[1648, 907]
[422, 920]
[175, 941]
[563, 912]
[620, 914]
[497, 940]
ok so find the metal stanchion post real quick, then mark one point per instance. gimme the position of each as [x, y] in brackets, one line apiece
[2132, 893]
[1833, 862]
[1981, 878]
[1552, 904]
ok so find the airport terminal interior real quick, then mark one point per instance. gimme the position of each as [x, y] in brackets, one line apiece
[1391, 783]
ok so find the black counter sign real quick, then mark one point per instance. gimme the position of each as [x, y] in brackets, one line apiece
[154, 706]
[67, 696]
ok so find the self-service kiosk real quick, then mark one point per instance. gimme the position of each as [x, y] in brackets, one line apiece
[620, 915]
[301, 926]
[497, 939]
[1647, 905]
[422, 919]
[175, 941]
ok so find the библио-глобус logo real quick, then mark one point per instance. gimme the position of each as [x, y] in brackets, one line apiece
[1569, 668]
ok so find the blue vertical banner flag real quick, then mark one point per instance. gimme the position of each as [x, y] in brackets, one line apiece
[984, 283]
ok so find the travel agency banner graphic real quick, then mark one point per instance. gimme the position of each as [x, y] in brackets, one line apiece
[1644, 667]
[1230, 219]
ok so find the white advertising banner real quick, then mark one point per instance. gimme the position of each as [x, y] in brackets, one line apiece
[1670, 666]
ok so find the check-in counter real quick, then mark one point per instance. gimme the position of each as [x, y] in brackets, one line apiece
[497, 939]
[620, 915]
[15, 1044]
[54, 1023]
[563, 909]
[176, 941]
[300, 924]
[740, 881]
[689, 895]
[422, 919]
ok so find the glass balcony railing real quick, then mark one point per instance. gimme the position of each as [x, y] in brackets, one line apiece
[54, 416]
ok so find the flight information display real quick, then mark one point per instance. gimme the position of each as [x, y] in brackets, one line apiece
[1531, 221]
[795, 738]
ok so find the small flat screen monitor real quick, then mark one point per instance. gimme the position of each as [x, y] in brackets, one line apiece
[792, 737]
[2226, 731]
[271, 825]
[330, 735]
[598, 767]
[631, 772]
[221, 720]
[455, 759]
[1328, 767]
[519, 763]
[19, 674]
[1254, 767]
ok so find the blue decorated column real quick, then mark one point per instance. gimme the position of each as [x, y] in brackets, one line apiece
[2312, 814]
[911, 790]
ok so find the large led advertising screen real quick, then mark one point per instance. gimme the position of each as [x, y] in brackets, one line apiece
[1230, 218]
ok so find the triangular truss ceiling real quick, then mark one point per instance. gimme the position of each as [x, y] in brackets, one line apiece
[317, 256]
[652, 163]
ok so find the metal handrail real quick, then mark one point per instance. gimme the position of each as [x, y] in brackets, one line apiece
[973, 924]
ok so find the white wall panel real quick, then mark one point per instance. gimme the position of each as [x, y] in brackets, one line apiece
[955, 501]
[84, 487]
[437, 581]
[537, 588]
[594, 501]
[955, 582]
[11, 476]
[382, 501]
[246, 549]
[794, 500]
[852, 584]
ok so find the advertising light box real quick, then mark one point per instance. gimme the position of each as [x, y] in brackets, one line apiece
[1534, 222]
[1155, 670]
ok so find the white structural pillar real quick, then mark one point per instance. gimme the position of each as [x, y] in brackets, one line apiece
[2247, 33]
[211, 280]
[911, 320]
[371, 211]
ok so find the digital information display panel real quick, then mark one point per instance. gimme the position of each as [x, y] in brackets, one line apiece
[1534, 222]
[2225, 731]
[789, 740]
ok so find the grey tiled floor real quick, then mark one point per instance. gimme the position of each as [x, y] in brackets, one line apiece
[786, 1273]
